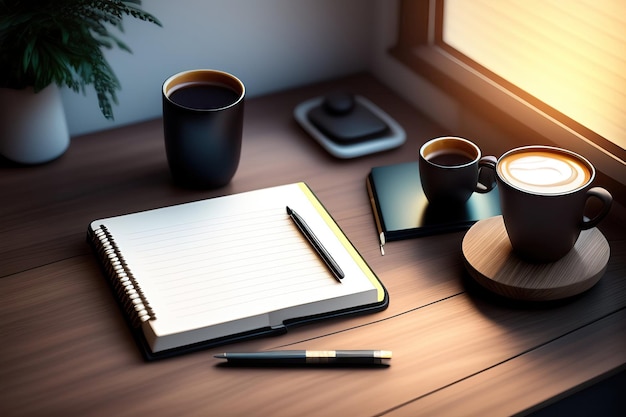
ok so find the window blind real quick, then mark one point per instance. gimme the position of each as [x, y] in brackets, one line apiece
[571, 55]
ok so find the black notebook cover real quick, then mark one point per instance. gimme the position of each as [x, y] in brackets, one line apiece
[401, 210]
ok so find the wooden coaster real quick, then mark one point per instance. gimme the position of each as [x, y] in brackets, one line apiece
[491, 262]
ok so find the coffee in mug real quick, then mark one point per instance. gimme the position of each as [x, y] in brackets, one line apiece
[543, 193]
[544, 171]
[203, 95]
[203, 124]
[449, 169]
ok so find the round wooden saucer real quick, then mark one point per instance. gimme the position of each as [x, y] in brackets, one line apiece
[491, 262]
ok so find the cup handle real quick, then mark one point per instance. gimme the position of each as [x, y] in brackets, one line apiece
[487, 162]
[606, 198]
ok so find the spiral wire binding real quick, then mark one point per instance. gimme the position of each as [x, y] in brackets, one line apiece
[125, 286]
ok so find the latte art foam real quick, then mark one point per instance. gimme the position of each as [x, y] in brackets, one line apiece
[544, 172]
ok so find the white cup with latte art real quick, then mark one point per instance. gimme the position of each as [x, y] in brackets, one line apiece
[543, 194]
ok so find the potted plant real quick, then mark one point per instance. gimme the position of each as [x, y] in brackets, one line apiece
[45, 45]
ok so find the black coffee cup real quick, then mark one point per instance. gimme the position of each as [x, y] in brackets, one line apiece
[543, 194]
[449, 169]
[203, 124]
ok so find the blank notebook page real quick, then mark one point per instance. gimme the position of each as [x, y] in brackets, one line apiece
[231, 258]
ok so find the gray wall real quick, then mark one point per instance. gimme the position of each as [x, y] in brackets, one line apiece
[269, 44]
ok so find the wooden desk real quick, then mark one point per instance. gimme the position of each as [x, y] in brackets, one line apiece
[65, 349]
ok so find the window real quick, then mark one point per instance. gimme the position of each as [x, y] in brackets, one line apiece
[550, 68]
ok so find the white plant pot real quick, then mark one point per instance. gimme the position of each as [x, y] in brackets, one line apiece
[33, 128]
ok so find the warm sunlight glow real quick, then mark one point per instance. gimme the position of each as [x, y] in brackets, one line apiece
[569, 54]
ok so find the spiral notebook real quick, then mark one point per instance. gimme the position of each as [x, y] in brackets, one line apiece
[216, 271]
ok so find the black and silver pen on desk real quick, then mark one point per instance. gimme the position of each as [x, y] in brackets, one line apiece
[359, 358]
[317, 245]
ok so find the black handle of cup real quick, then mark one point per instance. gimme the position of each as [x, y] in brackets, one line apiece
[487, 162]
[606, 198]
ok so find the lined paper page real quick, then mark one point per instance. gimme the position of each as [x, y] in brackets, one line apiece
[225, 259]
[232, 261]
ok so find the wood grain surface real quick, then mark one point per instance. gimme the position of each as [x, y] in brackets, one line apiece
[490, 260]
[458, 349]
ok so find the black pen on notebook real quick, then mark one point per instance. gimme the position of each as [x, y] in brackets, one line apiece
[309, 357]
[317, 245]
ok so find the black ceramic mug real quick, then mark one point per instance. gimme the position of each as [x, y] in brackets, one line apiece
[203, 124]
[543, 194]
[449, 169]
